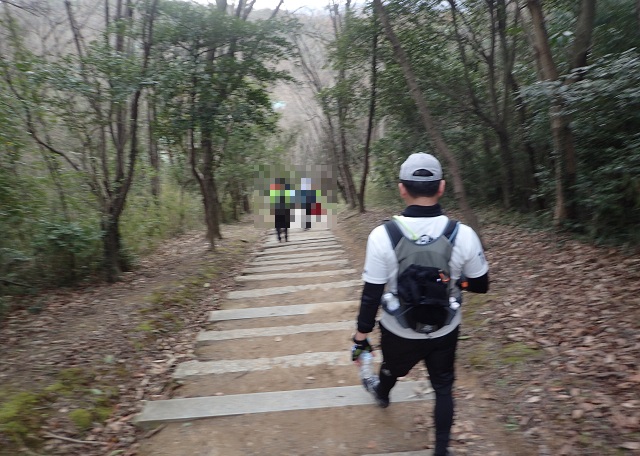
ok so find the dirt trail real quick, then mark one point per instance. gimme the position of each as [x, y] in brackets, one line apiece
[550, 355]
[548, 362]
[354, 430]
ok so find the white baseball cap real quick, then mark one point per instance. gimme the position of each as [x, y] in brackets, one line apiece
[421, 167]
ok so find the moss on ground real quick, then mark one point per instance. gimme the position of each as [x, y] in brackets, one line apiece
[82, 418]
[163, 306]
[518, 352]
[88, 393]
[22, 413]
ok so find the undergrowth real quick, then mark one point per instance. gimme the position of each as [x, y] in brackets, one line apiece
[23, 412]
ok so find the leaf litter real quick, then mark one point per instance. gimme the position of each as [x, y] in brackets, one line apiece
[117, 344]
[548, 360]
[554, 346]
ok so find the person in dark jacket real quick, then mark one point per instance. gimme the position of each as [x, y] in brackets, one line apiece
[280, 199]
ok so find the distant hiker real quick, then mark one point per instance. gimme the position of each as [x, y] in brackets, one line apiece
[280, 196]
[421, 257]
[309, 198]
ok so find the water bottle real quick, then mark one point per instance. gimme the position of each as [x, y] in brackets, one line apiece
[391, 301]
[369, 379]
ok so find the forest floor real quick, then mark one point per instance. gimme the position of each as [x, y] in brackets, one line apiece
[548, 360]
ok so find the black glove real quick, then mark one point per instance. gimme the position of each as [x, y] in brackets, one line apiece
[360, 346]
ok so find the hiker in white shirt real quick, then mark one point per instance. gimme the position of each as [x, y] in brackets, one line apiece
[408, 335]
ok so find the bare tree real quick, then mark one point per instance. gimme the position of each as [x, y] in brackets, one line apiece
[328, 127]
[425, 114]
[372, 113]
[342, 153]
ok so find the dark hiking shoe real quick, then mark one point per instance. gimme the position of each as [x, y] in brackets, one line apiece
[382, 402]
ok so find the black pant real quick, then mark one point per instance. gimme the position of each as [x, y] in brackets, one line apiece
[283, 221]
[283, 230]
[400, 355]
[307, 213]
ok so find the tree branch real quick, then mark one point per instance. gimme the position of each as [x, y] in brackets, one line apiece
[584, 31]
[67, 439]
[11, 282]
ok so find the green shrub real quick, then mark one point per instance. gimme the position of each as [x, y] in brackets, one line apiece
[145, 224]
[65, 251]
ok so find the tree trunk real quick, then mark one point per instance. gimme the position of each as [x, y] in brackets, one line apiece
[346, 169]
[209, 190]
[125, 168]
[372, 112]
[235, 192]
[505, 108]
[532, 183]
[427, 120]
[122, 178]
[487, 146]
[565, 162]
[506, 168]
[336, 158]
[154, 158]
[498, 120]
[111, 247]
[497, 117]
[561, 134]
[584, 32]
[339, 25]
[246, 206]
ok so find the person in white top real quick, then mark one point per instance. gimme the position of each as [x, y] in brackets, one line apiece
[421, 186]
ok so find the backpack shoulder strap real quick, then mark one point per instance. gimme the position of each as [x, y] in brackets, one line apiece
[451, 230]
[394, 232]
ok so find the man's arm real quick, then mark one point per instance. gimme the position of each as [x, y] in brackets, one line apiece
[478, 284]
[371, 296]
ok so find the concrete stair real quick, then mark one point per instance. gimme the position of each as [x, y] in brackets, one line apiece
[278, 266]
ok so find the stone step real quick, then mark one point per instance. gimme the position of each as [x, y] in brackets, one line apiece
[296, 248]
[295, 275]
[289, 265]
[260, 292]
[195, 368]
[276, 311]
[298, 259]
[287, 256]
[271, 245]
[299, 235]
[207, 337]
[187, 409]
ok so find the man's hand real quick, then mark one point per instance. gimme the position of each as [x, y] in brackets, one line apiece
[360, 346]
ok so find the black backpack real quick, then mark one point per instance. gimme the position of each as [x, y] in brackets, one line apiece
[424, 284]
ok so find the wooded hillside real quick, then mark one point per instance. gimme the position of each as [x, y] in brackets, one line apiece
[125, 122]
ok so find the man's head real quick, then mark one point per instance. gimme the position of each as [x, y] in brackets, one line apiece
[421, 176]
